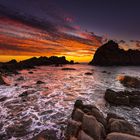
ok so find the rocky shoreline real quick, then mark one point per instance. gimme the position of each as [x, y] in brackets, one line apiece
[13, 66]
[88, 123]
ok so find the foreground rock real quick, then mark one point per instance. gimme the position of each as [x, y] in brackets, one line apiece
[121, 136]
[110, 54]
[128, 81]
[126, 98]
[88, 124]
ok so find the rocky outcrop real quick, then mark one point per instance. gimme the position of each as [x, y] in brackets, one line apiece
[88, 124]
[110, 54]
[126, 98]
[13, 66]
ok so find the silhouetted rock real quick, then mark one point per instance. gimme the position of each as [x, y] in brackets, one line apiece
[13, 66]
[110, 54]
[123, 97]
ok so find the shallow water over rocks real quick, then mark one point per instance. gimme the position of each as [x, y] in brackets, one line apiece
[27, 108]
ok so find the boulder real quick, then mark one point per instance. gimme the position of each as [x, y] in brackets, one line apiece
[39, 82]
[78, 115]
[131, 82]
[93, 128]
[83, 136]
[119, 125]
[121, 136]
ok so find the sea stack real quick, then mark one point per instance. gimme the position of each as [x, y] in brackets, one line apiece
[110, 54]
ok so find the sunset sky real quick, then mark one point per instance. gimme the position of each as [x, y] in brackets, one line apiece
[71, 28]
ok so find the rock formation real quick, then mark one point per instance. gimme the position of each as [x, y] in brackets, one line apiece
[88, 123]
[110, 54]
[13, 66]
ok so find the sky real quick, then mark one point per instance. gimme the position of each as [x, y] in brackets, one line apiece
[71, 28]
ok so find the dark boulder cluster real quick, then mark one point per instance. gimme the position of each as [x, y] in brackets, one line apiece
[110, 54]
[88, 123]
[13, 66]
[127, 98]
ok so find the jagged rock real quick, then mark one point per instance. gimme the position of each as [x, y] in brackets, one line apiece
[123, 97]
[93, 128]
[12, 66]
[83, 136]
[129, 81]
[110, 54]
[121, 136]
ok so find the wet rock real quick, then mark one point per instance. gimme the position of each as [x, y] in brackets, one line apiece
[21, 78]
[88, 73]
[26, 93]
[46, 135]
[73, 138]
[123, 97]
[83, 136]
[78, 115]
[73, 128]
[3, 98]
[119, 125]
[129, 81]
[93, 128]
[2, 82]
[112, 115]
[68, 69]
[19, 130]
[99, 116]
[30, 72]
[121, 136]
[78, 104]
[39, 82]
